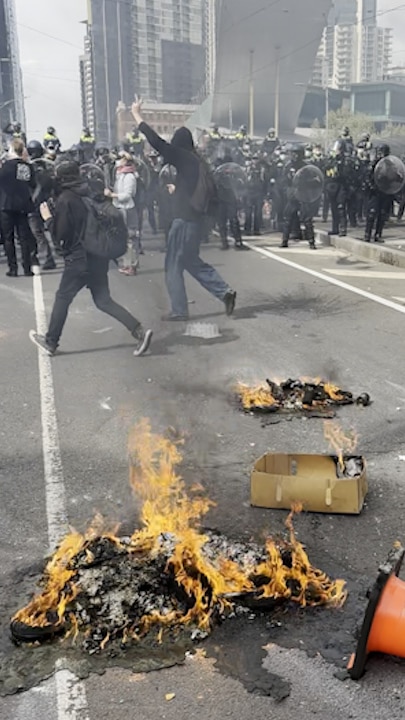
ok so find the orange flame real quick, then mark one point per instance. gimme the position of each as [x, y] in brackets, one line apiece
[340, 441]
[256, 396]
[207, 581]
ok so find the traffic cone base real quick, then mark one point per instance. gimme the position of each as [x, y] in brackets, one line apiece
[383, 628]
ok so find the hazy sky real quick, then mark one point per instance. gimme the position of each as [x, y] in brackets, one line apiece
[51, 66]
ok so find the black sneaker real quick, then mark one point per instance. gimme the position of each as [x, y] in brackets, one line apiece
[12, 273]
[142, 340]
[41, 342]
[230, 300]
[29, 273]
[241, 246]
[49, 265]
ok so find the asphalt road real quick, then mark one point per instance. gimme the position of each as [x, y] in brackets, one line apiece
[299, 318]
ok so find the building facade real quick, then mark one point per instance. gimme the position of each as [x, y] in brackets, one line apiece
[168, 49]
[11, 86]
[353, 48]
[106, 70]
[153, 48]
[164, 118]
[264, 54]
[87, 86]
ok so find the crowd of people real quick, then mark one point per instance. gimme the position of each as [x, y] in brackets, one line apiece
[229, 182]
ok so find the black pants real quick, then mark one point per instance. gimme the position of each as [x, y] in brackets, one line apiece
[79, 273]
[378, 212]
[338, 201]
[15, 223]
[253, 214]
[228, 211]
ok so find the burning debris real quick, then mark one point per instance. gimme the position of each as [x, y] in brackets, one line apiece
[295, 395]
[100, 588]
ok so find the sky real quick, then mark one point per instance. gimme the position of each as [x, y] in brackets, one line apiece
[51, 64]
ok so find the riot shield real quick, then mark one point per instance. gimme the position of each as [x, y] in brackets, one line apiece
[308, 184]
[389, 175]
[231, 176]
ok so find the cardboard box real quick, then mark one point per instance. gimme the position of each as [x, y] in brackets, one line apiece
[279, 480]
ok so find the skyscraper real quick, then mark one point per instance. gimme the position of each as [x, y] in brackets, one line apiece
[154, 48]
[11, 89]
[353, 48]
[348, 12]
[106, 68]
[168, 49]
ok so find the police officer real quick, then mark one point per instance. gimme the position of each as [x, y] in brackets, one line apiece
[242, 135]
[134, 142]
[378, 203]
[51, 139]
[44, 188]
[346, 136]
[15, 132]
[337, 170]
[87, 145]
[296, 212]
[214, 133]
[270, 142]
[254, 196]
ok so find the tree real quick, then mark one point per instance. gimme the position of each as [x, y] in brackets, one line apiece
[358, 123]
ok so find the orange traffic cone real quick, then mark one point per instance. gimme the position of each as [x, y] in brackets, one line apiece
[383, 627]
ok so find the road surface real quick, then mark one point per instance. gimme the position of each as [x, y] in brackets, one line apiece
[298, 313]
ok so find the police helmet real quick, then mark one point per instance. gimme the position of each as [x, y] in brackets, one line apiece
[346, 132]
[35, 149]
[51, 130]
[297, 152]
[383, 150]
[271, 131]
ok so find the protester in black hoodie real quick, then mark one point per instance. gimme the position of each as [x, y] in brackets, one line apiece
[16, 184]
[81, 268]
[187, 230]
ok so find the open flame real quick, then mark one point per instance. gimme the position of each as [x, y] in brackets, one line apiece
[201, 574]
[301, 394]
[342, 442]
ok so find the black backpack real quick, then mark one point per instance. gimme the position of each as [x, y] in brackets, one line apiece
[204, 198]
[105, 233]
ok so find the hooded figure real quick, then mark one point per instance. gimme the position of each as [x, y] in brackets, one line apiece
[68, 228]
[188, 227]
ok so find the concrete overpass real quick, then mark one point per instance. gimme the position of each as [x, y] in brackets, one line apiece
[265, 53]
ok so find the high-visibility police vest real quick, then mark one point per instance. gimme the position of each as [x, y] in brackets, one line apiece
[134, 139]
[48, 137]
[215, 136]
[87, 139]
[240, 136]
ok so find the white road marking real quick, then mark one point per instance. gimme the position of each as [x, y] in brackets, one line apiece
[320, 251]
[376, 274]
[70, 692]
[331, 280]
[400, 299]
[395, 385]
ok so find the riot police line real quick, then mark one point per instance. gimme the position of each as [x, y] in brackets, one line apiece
[262, 185]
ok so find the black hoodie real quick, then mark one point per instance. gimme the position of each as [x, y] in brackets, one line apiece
[181, 154]
[69, 219]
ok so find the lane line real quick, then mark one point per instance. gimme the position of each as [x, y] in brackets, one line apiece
[327, 278]
[367, 274]
[70, 692]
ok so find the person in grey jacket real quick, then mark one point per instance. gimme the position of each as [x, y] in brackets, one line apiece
[123, 197]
